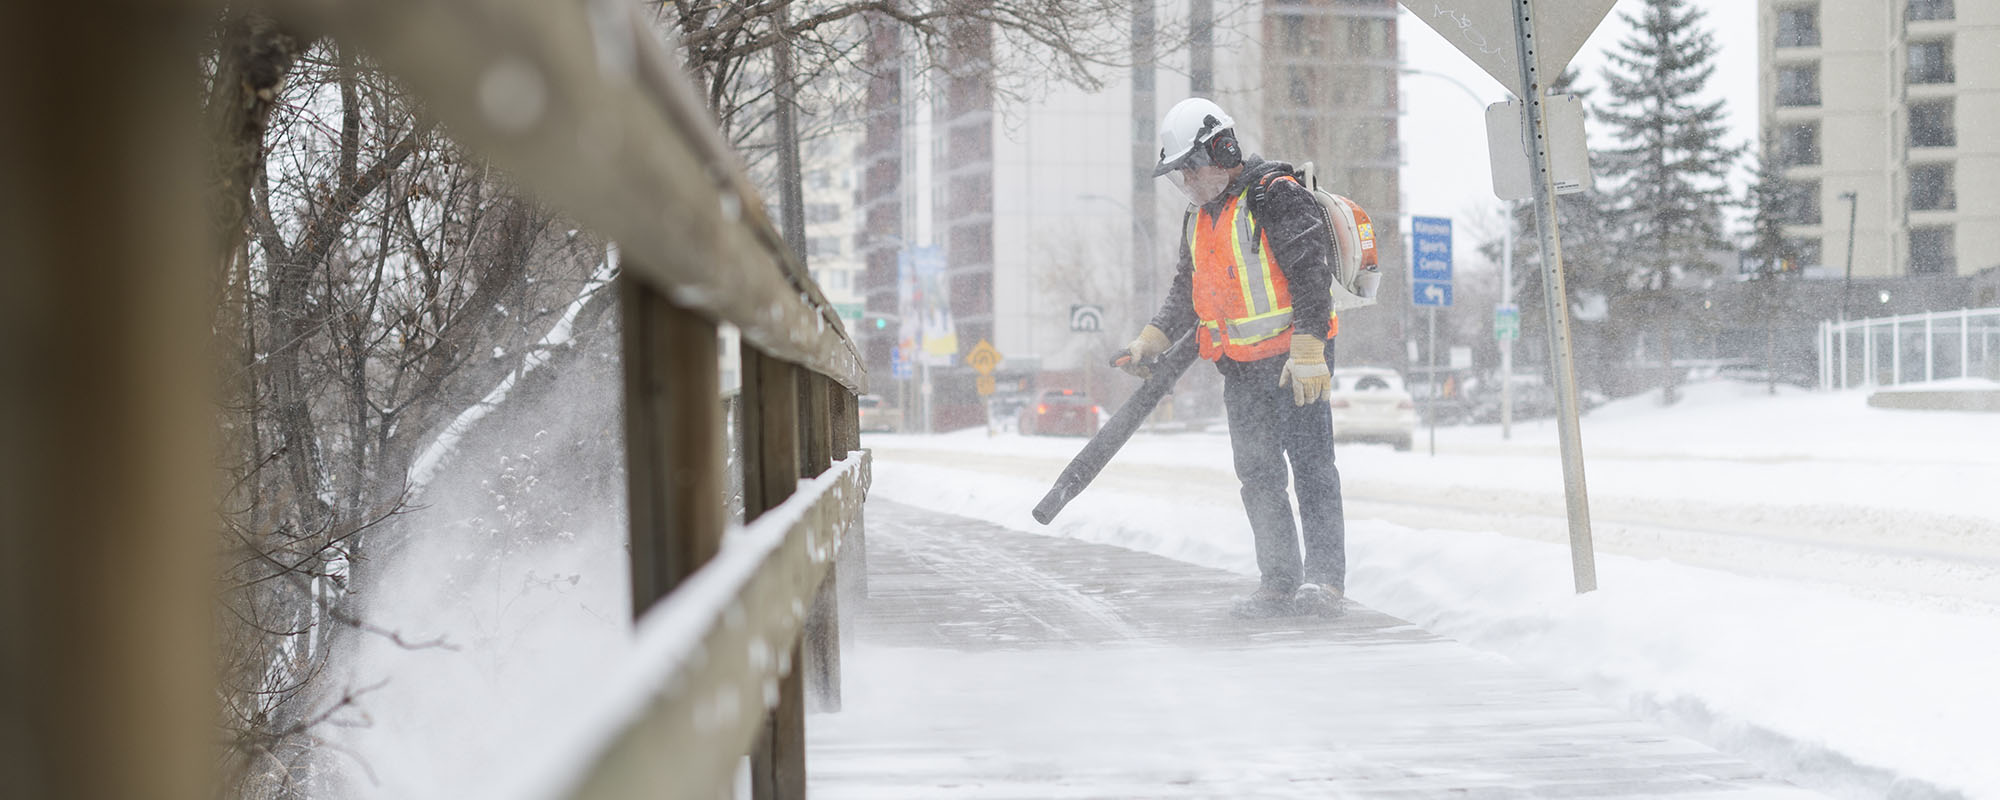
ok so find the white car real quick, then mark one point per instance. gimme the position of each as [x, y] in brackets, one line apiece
[1370, 404]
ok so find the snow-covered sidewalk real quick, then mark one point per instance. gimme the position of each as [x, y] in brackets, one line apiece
[994, 664]
[1800, 580]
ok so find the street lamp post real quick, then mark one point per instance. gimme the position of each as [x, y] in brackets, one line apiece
[907, 394]
[1506, 271]
[1847, 287]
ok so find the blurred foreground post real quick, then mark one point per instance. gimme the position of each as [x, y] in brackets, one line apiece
[105, 504]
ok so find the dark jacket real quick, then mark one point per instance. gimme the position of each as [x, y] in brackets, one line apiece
[1296, 228]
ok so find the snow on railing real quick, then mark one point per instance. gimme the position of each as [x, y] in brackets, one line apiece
[1889, 351]
[708, 658]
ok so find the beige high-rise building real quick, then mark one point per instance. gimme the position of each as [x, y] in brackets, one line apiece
[1898, 102]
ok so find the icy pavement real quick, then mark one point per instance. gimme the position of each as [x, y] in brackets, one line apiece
[995, 664]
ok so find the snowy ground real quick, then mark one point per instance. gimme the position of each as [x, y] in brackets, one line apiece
[1801, 580]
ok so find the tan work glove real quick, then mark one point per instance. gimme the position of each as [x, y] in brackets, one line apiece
[1150, 344]
[1306, 370]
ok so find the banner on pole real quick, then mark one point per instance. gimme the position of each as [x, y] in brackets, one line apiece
[924, 293]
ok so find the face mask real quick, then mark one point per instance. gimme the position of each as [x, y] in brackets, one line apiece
[1201, 185]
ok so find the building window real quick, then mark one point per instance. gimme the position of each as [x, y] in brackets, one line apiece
[1798, 85]
[1798, 145]
[1798, 26]
[1931, 252]
[1368, 38]
[1931, 188]
[1297, 78]
[1803, 252]
[823, 247]
[822, 212]
[1930, 62]
[1931, 124]
[1928, 9]
[1305, 134]
[819, 179]
[831, 280]
[1802, 203]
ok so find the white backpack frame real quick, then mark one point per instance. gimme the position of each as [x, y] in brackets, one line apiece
[1356, 274]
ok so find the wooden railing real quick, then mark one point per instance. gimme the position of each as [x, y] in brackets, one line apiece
[579, 103]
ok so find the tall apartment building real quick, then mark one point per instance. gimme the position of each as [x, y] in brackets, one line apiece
[1330, 78]
[832, 221]
[1897, 102]
[1039, 205]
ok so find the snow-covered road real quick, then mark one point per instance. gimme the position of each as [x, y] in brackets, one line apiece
[1788, 494]
[1800, 579]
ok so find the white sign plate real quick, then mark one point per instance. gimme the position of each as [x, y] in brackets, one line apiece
[1569, 150]
[1484, 31]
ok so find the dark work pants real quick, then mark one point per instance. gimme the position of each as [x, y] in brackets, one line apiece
[1264, 429]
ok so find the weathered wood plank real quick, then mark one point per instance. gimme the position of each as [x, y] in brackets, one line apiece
[673, 441]
[777, 761]
[107, 526]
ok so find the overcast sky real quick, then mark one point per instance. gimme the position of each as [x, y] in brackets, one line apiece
[1446, 173]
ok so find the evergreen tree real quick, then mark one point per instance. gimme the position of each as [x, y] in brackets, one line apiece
[1770, 201]
[1669, 174]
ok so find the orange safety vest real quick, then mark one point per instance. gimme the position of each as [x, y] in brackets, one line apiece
[1241, 296]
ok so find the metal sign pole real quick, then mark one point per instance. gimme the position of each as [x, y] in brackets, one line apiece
[1507, 347]
[1431, 401]
[1582, 560]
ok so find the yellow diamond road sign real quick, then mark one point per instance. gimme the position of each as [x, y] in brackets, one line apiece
[983, 357]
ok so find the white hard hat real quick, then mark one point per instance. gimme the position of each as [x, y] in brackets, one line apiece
[1190, 122]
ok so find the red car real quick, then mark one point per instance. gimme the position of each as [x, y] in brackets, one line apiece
[1059, 412]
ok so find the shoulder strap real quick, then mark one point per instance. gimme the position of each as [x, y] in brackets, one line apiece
[1256, 200]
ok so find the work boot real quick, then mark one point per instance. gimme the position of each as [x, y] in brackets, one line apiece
[1315, 600]
[1265, 603]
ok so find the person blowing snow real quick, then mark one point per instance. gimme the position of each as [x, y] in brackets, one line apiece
[1253, 281]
